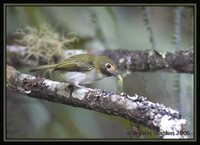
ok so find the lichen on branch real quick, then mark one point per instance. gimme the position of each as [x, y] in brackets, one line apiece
[135, 108]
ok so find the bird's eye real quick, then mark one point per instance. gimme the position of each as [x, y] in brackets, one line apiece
[108, 65]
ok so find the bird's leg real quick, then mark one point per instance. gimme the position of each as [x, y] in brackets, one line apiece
[82, 87]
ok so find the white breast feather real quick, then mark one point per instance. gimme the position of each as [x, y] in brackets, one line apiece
[83, 78]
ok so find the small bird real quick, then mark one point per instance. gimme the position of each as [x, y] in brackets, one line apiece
[84, 69]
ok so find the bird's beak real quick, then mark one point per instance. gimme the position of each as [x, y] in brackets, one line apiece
[120, 81]
[120, 78]
[116, 74]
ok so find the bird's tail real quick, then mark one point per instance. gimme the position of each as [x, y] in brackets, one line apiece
[43, 67]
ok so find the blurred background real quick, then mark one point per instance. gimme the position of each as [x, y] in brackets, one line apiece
[104, 27]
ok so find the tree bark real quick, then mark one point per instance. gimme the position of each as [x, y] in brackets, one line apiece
[127, 60]
[135, 108]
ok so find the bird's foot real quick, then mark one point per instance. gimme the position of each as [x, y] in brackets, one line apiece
[72, 86]
[83, 87]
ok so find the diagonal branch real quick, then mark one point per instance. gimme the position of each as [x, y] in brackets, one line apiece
[135, 108]
[127, 60]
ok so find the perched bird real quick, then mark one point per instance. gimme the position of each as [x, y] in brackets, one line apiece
[84, 69]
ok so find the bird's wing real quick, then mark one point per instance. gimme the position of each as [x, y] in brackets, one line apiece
[74, 65]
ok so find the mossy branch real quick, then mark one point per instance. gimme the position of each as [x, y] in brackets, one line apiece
[127, 60]
[135, 108]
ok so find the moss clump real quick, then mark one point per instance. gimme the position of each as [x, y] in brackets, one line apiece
[43, 44]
